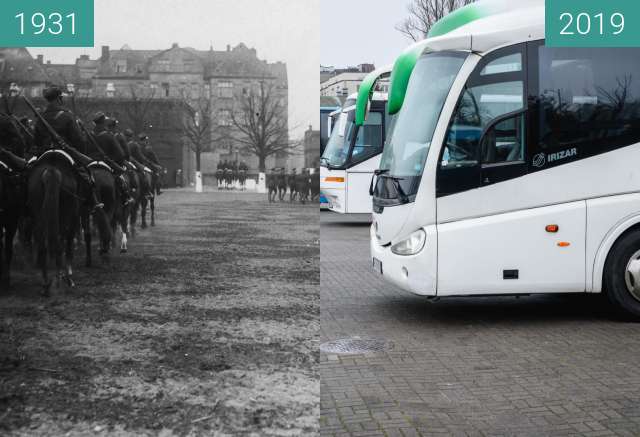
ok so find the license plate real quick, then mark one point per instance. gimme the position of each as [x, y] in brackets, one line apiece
[377, 266]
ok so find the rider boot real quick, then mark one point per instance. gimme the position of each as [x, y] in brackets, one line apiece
[92, 201]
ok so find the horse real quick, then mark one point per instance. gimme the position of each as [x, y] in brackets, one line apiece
[220, 177]
[282, 185]
[228, 178]
[108, 195]
[242, 178]
[302, 186]
[11, 208]
[291, 183]
[130, 213]
[272, 185]
[54, 195]
[315, 186]
[148, 199]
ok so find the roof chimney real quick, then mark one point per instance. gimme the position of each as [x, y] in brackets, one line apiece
[174, 45]
[40, 59]
[105, 53]
[228, 47]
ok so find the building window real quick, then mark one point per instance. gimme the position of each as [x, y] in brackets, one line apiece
[589, 99]
[139, 69]
[121, 66]
[166, 88]
[111, 89]
[224, 117]
[225, 90]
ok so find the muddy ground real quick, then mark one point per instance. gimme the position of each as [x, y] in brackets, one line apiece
[208, 326]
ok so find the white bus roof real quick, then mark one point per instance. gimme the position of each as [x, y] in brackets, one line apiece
[501, 23]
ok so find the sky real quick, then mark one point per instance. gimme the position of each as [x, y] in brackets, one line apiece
[280, 30]
[361, 31]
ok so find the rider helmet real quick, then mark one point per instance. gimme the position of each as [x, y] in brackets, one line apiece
[128, 133]
[99, 118]
[52, 93]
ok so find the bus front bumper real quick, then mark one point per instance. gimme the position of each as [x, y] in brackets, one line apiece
[335, 198]
[415, 273]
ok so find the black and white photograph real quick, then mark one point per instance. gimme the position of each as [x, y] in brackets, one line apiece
[160, 259]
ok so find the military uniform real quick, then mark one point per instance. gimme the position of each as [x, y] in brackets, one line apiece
[12, 144]
[108, 143]
[64, 123]
[152, 159]
[137, 159]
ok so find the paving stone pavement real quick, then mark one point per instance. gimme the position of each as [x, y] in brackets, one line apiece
[534, 366]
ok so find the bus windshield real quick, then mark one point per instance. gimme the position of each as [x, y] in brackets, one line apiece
[368, 138]
[407, 146]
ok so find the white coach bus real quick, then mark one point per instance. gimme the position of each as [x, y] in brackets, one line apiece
[513, 168]
[354, 148]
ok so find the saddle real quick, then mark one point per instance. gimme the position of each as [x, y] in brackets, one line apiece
[5, 167]
[130, 166]
[54, 152]
[102, 164]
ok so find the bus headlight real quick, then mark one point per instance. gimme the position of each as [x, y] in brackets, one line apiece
[411, 245]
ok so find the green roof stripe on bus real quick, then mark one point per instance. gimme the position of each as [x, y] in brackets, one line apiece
[407, 60]
[458, 18]
[401, 73]
[367, 87]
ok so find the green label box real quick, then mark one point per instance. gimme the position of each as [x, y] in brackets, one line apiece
[46, 23]
[592, 23]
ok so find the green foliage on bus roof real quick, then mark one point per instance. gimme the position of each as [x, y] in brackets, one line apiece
[401, 73]
[367, 87]
[407, 60]
[457, 18]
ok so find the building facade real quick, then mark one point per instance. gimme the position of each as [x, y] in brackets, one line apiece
[180, 74]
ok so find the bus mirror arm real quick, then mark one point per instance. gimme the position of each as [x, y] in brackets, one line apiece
[376, 173]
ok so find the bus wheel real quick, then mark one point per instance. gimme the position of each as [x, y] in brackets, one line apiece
[622, 274]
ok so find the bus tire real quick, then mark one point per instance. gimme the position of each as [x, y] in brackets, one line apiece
[620, 284]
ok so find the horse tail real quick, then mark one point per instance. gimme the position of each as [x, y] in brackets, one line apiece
[50, 214]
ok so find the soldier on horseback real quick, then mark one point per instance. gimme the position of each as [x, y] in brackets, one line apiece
[138, 159]
[152, 159]
[113, 152]
[64, 123]
[12, 144]
[291, 182]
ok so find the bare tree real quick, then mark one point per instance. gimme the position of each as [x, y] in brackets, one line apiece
[138, 109]
[423, 14]
[261, 124]
[197, 125]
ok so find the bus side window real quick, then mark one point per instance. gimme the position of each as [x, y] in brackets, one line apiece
[478, 107]
[369, 139]
[505, 141]
[493, 91]
[588, 100]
